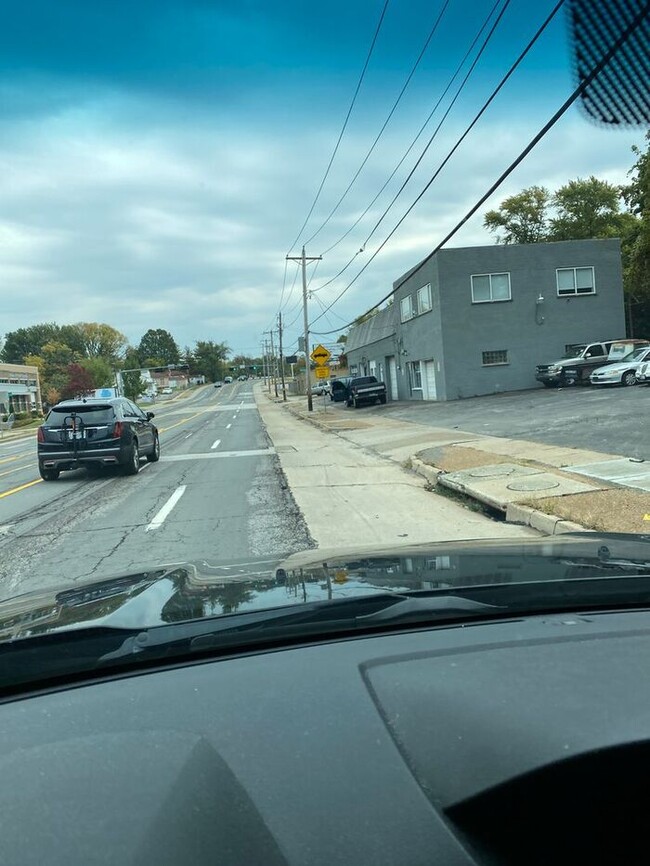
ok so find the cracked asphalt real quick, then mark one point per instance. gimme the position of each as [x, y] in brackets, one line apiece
[231, 503]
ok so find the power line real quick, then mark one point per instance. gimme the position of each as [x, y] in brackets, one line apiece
[508, 171]
[408, 150]
[386, 122]
[291, 290]
[345, 123]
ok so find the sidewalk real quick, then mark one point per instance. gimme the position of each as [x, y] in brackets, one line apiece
[552, 489]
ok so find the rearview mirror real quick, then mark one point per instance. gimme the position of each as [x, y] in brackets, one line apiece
[150, 415]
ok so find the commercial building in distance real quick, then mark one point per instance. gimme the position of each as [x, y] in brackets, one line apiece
[20, 389]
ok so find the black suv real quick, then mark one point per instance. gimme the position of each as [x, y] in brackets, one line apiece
[93, 432]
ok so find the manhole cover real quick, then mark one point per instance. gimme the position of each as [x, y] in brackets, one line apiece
[533, 484]
[491, 471]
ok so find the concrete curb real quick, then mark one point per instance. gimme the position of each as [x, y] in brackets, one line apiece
[524, 515]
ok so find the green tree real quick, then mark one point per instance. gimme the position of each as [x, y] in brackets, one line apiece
[94, 340]
[28, 341]
[588, 208]
[636, 195]
[157, 348]
[133, 382]
[522, 218]
[210, 358]
[100, 371]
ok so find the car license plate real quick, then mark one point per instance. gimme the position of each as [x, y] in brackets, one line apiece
[75, 434]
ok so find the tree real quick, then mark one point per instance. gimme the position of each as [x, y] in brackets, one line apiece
[100, 371]
[210, 358]
[588, 209]
[636, 195]
[133, 382]
[79, 382]
[157, 348]
[28, 341]
[523, 218]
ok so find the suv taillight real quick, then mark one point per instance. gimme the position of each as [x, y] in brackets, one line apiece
[40, 434]
[117, 429]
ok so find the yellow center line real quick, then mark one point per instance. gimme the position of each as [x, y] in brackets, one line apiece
[22, 487]
[178, 423]
[15, 469]
[13, 457]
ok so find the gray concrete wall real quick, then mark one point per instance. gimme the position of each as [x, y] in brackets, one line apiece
[457, 331]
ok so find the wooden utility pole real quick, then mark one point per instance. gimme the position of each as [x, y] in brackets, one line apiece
[284, 386]
[303, 259]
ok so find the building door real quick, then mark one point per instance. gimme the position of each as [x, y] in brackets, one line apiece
[429, 383]
[392, 372]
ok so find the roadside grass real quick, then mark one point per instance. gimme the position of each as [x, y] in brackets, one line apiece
[614, 510]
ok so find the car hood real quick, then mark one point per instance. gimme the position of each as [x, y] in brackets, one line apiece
[188, 591]
[619, 366]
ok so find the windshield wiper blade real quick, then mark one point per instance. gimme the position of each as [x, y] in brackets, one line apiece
[322, 617]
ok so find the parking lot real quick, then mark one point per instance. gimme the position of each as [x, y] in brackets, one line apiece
[608, 419]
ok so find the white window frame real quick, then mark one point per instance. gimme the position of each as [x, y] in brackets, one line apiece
[412, 379]
[424, 292]
[565, 293]
[485, 363]
[492, 300]
[409, 316]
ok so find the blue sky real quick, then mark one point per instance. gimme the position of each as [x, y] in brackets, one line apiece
[158, 158]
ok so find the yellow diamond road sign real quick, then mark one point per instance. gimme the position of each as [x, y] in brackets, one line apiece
[320, 355]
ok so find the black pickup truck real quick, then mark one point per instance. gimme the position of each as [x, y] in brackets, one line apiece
[365, 389]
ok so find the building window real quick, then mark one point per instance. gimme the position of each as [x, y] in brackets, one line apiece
[487, 288]
[406, 308]
[494, 357]
[424, 299]
[575, 281]
[415, 375]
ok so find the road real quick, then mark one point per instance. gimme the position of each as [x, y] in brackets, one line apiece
[216, 496]
[604, 419]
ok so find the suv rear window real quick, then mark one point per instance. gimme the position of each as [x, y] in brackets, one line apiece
[90, 415]
[365, 380]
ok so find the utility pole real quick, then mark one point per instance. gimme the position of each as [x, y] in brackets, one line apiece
[303, 259]
[284, 387]
[263, 347]
[274, 371]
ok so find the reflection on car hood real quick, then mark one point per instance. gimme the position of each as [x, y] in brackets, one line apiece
[186, 592]
[620, 366]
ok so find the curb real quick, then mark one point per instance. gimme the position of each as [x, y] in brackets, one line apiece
[523, 515]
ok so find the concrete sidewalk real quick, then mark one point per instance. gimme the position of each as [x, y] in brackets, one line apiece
[554, 489]
[356, 497]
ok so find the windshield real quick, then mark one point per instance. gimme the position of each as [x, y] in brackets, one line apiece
[221, 219]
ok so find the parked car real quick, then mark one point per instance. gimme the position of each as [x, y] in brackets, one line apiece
[228, 380]
[623, 373]
[320, 388]
[577, 362]
[643, 373]
[340, 389]
[366, 389]
[218, 384]
[92, 433]
[166, 391]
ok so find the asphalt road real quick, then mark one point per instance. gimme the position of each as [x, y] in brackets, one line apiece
[608, 419]
[216, 497]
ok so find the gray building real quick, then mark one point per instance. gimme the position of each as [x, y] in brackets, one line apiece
[477, 320]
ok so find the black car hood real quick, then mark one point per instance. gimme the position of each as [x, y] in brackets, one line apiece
[189, 591]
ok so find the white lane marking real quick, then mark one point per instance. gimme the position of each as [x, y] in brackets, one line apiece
[174, 458]
[234, 416]
[216, 444]
[188, 435]
[228, 426]
[167, 508]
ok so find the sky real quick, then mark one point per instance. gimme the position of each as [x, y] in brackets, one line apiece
[159, 157]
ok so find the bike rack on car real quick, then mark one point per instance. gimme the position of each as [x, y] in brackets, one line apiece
[75, 424]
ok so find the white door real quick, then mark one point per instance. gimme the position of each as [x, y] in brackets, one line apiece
[392, 371]
[429, 383]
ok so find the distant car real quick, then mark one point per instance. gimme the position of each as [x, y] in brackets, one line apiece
[622, 373]
[228, 380]
[218, 384]
[320, 388]
[242, 378]
[92, 433]
[166, 391]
